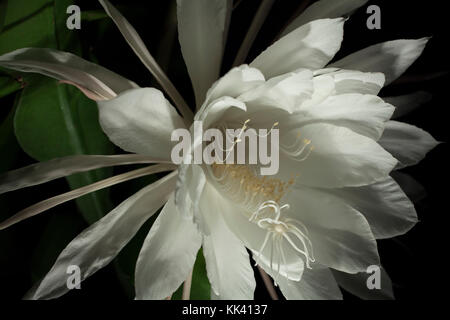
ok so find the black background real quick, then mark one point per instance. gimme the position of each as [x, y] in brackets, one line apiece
[416, 262]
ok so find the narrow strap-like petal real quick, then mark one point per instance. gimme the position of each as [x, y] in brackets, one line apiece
[61, 167]
[57, 200]
[96, 246]
[324, 9]
[138, 46]
[258, 20]
[67, 67]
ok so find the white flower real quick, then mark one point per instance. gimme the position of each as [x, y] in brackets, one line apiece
[332, 198]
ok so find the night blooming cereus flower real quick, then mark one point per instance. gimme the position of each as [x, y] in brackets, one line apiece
[310, 225]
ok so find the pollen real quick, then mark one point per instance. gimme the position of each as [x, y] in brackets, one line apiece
[243, 182]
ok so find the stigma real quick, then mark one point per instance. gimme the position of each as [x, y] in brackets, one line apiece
[281, 228]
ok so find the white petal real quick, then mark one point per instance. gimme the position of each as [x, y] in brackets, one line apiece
[67, 67]
[384, 204]
[348, 81]
[316, 284]
[364, 114]
[324, 86]
[61, 167]
[391, 58]
[167, 255]
[227, 260]
[286, 92]
[340, 158]
[341, 237]
[339, 249]
[407, 103]
[324, 9]
[356, 284]
[407, 143]
[324, 71]
[202, 28]
[311, 46]
[331, 81]
[189, 188]
[140, 121]
[216, 110]
[237, 81]
[96, 246]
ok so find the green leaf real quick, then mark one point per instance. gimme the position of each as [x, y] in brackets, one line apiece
[28, 24]
[20, 10]
[200, 288]
[93, 15]
[8, 85]
[3, 6]
[38, 23]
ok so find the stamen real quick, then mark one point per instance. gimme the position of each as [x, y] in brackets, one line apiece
[235, 140]
[301, 147]
[263, 246]
[281, 256]
[270, 131]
